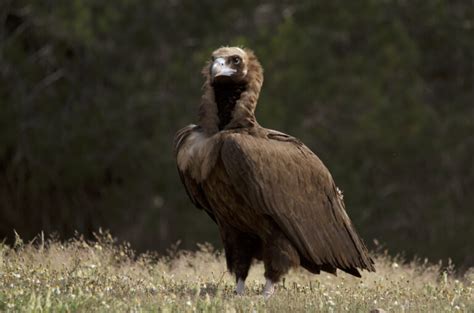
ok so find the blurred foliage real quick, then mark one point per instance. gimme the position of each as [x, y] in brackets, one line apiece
[92, 92]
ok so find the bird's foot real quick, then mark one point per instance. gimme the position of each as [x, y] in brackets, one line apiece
[240, 288]
[268, 289]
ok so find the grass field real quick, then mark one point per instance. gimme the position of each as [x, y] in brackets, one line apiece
[103, 276]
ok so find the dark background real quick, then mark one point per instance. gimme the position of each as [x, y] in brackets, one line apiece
[92, 92]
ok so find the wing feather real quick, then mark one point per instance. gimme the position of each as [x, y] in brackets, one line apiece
[280, 177]
[193, 188]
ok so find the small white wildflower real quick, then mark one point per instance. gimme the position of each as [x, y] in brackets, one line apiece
[188, 303]
[394, 265]
[16, 275]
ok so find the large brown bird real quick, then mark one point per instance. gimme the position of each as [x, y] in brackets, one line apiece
[270, 195]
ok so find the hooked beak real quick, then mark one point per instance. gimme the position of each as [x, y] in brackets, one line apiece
[220, 68]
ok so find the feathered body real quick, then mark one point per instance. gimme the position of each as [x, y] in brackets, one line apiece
[271, 196]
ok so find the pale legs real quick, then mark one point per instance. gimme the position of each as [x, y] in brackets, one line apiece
[268, 289]
[240, 288]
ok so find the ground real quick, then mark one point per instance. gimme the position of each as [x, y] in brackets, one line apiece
[103, 276]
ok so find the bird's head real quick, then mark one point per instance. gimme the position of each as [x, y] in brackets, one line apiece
[233, 65]
[228, 65]
[233, 79]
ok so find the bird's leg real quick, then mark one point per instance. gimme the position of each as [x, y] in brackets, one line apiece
[240, 249]
[240, 288]
[268, 289]
[279, 256]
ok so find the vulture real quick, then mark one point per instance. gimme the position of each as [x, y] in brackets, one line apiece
[271, 197]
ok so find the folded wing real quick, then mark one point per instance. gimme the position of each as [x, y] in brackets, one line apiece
[280, 177]
[193, 188]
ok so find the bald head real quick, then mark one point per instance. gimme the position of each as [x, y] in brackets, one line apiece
[229, 65]
[233, 79]
[228, 51]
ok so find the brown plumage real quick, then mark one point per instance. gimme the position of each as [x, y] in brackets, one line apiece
[270, 195]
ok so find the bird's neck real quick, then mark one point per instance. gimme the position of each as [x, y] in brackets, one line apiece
[226, 97]
[228, 107]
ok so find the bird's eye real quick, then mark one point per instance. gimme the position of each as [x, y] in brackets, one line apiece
[236, 60]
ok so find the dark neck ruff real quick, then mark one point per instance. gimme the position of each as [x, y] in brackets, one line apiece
[226, 96]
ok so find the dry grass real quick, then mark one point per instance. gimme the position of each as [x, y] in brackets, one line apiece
[103, 276]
